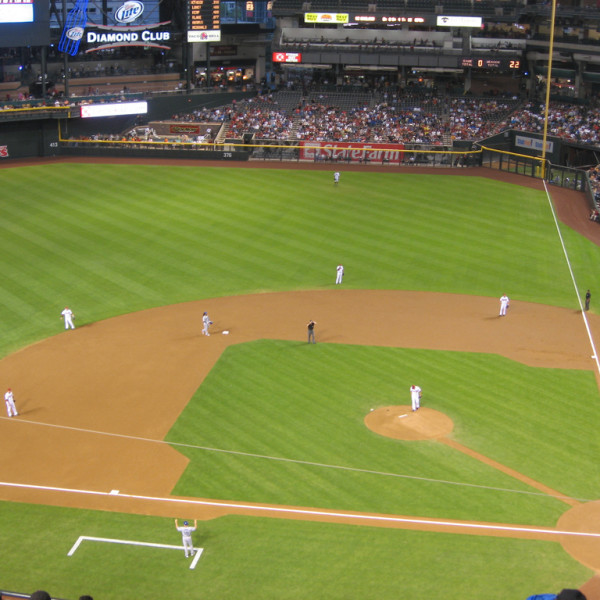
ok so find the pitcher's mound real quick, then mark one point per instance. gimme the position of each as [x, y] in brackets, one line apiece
[401, 423]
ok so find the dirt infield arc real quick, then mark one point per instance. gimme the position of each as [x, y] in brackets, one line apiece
[131, 376]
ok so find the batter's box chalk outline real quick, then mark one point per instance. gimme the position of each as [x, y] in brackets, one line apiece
[197, 551]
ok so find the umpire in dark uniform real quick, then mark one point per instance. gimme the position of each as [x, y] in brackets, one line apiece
[311, 331]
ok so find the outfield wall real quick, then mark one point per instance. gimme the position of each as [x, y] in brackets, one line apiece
[127, 152]
[26, 139]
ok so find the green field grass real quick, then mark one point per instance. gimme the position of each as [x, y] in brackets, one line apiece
[109, 240]
[284, 401]
[250, 558]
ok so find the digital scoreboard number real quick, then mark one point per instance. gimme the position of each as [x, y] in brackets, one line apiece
[492, 63]
[204, 21]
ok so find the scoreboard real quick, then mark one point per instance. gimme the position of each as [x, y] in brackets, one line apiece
[24, 23]
[204, 20]
[502, 64]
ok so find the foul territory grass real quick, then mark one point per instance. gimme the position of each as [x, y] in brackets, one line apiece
[250, 558]
[108, 240]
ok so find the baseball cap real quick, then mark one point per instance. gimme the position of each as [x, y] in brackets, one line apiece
[185, 522]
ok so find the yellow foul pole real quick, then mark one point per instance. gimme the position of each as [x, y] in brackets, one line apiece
[548, 79]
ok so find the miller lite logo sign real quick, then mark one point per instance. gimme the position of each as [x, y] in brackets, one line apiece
[129, 12]
[75, 33]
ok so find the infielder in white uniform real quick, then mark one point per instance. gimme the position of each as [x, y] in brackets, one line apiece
[415, 397]
[186, 536]
[11, 409]
[340, 274]
[504, 304]
[206, 323]
[68, 316]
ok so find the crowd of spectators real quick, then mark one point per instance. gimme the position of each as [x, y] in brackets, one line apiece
[396, 119]
[594, 178]
[461, 118]
[379, 124]
[572, 122]
[432, 122]
[204, 115]
[263, 124]
[44, 595]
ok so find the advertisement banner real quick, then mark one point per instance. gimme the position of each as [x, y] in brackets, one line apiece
[352, 152]
[522, 141]
[318, 17]
[187, 128]
[453, 21]
[207, 35]
[287, 57]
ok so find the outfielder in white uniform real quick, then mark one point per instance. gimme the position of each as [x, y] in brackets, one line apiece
[186, 536]
[415, 397]
[336, 178]
[504, 304]
[206, 323]
[11, 409]
[340, 274]
[68, 316]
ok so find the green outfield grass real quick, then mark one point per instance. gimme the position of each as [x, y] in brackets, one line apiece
[109, 240]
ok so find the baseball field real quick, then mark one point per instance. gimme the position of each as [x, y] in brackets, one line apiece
[308, 473]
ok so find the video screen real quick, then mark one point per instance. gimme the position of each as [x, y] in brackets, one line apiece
[24, 23]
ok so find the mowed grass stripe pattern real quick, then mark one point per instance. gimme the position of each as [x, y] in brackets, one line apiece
[110, 239]
[304, 402]
[270, 559]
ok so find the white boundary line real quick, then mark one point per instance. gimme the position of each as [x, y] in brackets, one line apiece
[584, 316]
[292, 460]
[318, 513]
[198, 551]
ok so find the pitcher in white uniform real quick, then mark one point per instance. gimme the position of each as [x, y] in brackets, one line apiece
[415, 397]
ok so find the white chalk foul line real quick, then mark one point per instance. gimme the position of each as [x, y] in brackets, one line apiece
[317, 513]
[294, 460]
[566, 255]
[198, 551]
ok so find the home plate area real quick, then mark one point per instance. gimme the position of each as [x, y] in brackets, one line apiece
[402, 423]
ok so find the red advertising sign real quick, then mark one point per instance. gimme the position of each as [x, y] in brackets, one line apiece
[352, 152]
[287, 57]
